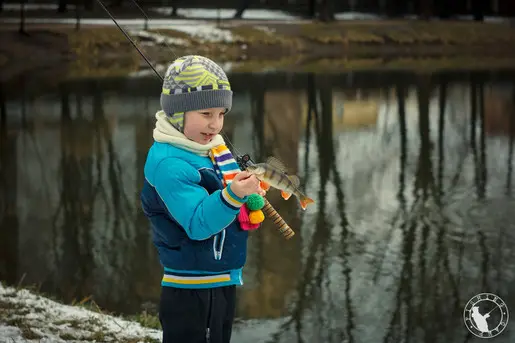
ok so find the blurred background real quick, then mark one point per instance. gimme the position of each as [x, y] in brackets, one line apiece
[323, 9]
[405, 144]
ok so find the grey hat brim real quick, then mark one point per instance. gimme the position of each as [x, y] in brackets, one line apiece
[197, 100]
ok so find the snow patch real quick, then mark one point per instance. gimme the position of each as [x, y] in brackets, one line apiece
[158, 38]
[225, 13]
[356, 16]
[35, 7]
[266, 29]
[52, 322]
[207, 33]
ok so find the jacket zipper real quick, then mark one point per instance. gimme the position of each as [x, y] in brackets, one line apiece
[218, 245]
[210, 296]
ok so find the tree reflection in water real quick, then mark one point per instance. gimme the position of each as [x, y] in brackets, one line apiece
[412, 214]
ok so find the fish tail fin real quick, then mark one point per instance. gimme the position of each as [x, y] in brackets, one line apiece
[285, 195]
[304, 201]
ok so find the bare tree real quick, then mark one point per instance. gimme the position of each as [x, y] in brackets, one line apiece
[396, 8]
[425, 9]
[479, 8]
[22, 17]
[326, 12]
[88, 5]
[8, 198]
[62, 6]
[312, 8]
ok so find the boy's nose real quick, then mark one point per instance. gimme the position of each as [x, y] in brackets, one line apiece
[215, 123]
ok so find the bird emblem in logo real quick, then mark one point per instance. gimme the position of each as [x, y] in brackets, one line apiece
[486, 315]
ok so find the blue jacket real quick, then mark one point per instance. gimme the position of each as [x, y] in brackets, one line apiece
[194, 219]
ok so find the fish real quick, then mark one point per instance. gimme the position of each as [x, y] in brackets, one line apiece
[272, 173]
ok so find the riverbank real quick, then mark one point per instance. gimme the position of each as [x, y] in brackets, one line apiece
[26, 316]
[29, 317]
[102, 50]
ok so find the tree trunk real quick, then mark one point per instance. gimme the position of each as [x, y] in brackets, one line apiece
[62, 4]
[88, 5]
[396, 8]
[478, 9]
[117, 3]
[425, 9]
[312, 9]
[326, 11]
[444, 9]
[22, 17]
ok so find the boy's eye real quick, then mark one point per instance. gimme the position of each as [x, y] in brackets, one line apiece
[208, 114]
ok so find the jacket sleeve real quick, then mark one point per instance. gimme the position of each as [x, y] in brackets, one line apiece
[199, 213]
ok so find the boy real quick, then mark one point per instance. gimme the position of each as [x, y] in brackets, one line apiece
[192, 195]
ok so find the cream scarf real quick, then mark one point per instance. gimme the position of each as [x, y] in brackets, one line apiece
[164, 132]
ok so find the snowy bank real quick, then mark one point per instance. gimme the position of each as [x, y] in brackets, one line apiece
[227, 13]
[27, 317]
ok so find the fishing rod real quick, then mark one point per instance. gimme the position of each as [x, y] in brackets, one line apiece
[243, 160]
[130, 40]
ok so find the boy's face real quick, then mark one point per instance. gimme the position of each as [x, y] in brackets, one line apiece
[203, 125]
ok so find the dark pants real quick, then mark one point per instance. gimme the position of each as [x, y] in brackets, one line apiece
[197, 315]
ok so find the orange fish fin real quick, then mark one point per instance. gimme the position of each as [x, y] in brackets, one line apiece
[285, 195]
[305, 201]
[264, 186]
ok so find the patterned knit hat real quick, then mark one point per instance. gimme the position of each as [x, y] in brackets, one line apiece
[193, 83]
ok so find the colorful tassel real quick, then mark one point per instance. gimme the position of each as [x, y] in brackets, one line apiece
[256, 217]
[244, 219]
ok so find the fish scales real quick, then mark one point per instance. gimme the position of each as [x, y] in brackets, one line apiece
[278, 179]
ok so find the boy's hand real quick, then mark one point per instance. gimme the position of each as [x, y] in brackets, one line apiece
[245, 184]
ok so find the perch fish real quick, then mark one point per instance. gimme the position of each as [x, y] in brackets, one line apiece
[273, 173]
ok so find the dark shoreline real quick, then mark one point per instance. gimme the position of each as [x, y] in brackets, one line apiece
[96, 50]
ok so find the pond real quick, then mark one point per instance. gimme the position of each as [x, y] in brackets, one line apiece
[412, 177]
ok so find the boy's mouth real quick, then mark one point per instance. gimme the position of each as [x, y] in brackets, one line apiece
[208, 135]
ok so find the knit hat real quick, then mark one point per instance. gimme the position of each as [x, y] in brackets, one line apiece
[193, 83]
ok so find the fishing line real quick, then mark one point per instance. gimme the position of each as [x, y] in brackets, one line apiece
[224, 135]
[130, 40]
[268, 209]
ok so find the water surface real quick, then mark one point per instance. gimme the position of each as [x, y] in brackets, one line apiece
[411, 175]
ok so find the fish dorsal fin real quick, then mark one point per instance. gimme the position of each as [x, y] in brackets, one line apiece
[295, 180]
[276, 163]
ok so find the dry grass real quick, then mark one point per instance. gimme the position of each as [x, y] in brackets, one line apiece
[93, 42]
[172, 33]
[256, 35]
[408, 33]
[90, 68]
[268, 64]
[337, 65]
[420, 65]
[100, 52]
[105, 51]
